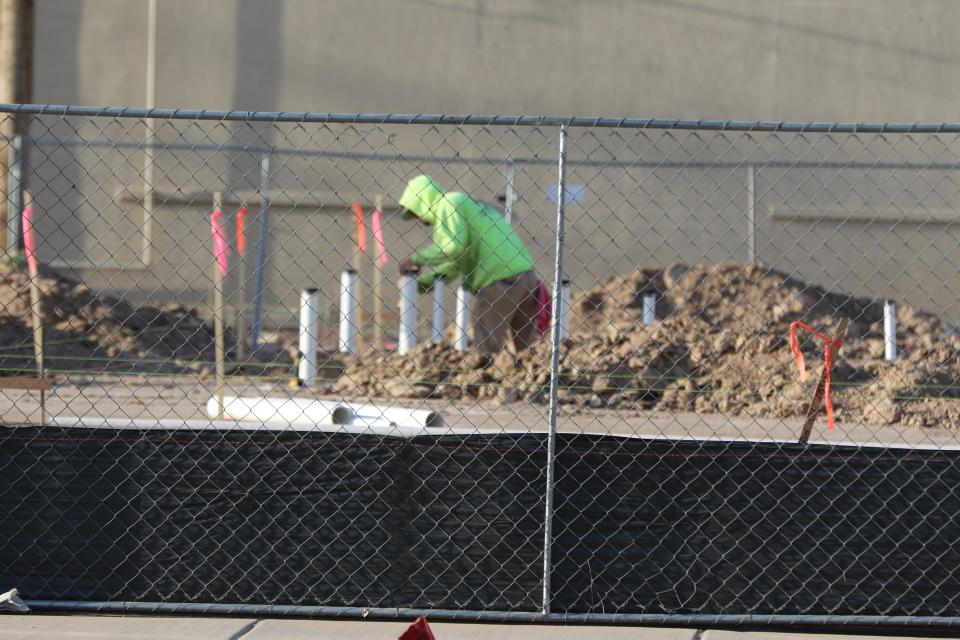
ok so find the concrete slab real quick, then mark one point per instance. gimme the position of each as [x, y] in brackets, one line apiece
[384, 630]
[33, 626]
[772, 635]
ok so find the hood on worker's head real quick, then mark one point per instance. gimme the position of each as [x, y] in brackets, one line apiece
[421, 197]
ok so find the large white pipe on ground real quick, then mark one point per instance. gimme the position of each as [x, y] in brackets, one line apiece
[437, 320]
[309, 313]
[890, 331]
[408, 314]
[462, 322]
[308, 412]
[373, 415]
[303, 412]
[348, 311]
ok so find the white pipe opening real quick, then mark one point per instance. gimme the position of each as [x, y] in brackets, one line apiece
[307, 368]
[408, 314]
[348, 311]
[649, 308]
[564, 315]
[890, 331]
[437, 319]
[462, 322]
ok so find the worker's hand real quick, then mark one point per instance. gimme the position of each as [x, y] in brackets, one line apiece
[407, 268]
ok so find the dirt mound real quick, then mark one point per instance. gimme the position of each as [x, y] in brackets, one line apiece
[84, 330]
[721, 346]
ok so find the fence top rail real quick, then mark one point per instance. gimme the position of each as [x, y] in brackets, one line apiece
[490, 120]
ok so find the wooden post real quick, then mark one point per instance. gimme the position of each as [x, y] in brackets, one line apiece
[378, 323]
[818, 395]
[218, 277]
[240, 301]
[358, 268]
[36, 317]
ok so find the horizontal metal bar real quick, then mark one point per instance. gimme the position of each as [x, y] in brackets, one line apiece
[400, 157]
[495, 120]
[654, 619]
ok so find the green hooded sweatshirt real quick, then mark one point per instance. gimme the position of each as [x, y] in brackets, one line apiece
[470, 238]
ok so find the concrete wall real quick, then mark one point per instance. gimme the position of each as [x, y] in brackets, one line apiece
[865, 60]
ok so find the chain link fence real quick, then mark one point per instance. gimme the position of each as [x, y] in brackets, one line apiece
[220, 395]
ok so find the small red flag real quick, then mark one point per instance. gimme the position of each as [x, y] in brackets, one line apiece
[419, 630]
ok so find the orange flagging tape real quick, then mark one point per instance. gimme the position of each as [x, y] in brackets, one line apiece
[361, 228]
[827, 359]
[242, 231]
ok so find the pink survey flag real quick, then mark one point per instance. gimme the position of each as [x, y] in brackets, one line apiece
[378, 237]
[219, 240]
[29, 241]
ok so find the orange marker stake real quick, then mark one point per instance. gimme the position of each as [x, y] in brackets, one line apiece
[240, 303]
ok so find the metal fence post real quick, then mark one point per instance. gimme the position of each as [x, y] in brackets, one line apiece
[255, 323]
[554, 366]
[508, 193]
[751, 214]
[14, 178]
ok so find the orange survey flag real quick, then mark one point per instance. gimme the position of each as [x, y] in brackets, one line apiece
[361, 228]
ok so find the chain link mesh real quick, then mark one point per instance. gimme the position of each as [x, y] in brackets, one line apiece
[271, 423]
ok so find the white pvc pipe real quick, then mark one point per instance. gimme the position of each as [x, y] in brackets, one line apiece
[649, 308]
[564, 316]
[348, 311]
[307, 368]
[462, 323]
[408, 314]
[890, 331]
[437, 321]
[304, 412]
[373, 415]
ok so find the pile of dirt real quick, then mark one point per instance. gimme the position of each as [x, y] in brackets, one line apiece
[84, 330]
[721, 346]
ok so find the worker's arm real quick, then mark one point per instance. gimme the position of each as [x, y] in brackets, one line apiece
[449, 271]
[449, 240]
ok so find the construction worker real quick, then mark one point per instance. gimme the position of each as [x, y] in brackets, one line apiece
[474, 240]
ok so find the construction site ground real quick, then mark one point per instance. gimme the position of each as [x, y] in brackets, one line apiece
[185, 398]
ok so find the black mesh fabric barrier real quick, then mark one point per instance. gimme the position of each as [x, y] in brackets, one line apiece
[456, 522]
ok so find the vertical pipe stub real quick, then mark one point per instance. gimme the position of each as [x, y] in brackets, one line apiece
[564, 315]
[309, 313]
[462, 321]
[649, 308]
[437, 319]
[14, 204]
[260, 274]
[408, 314]
[889, 331]
[348, 311]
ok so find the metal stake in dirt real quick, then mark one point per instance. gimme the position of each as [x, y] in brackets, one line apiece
[818, 395]
[241, 291]
[14, 175]
[378, 266]
[555, 337]
[33, 269]
[260, 274]
[751, 214]
[219, 273]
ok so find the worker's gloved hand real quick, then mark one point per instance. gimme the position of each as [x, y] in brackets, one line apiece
[407, 268]
[425, 280]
